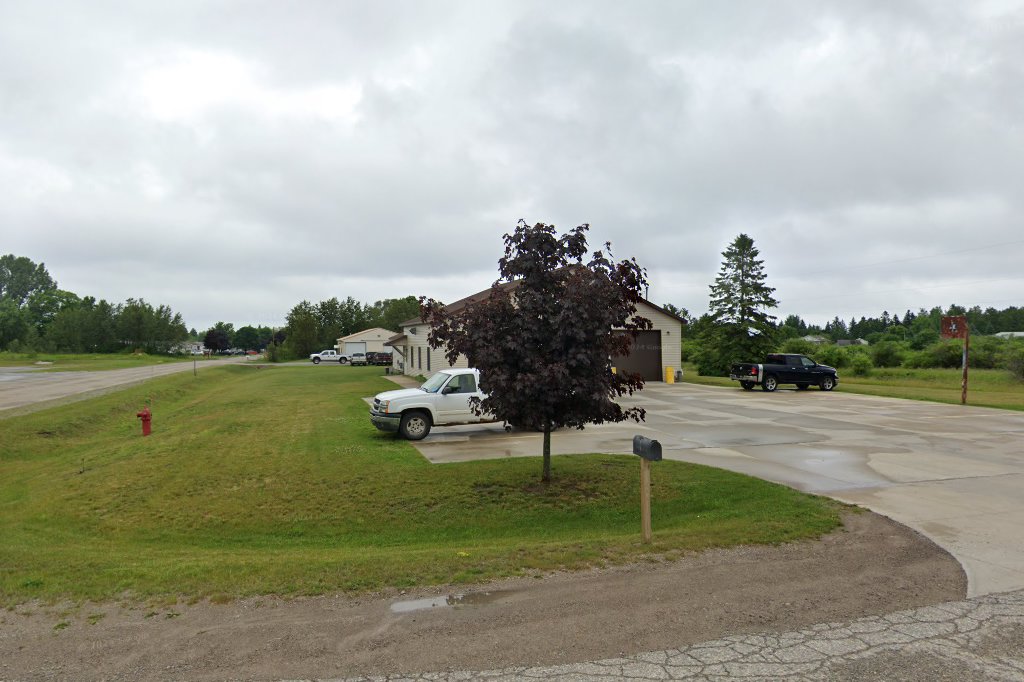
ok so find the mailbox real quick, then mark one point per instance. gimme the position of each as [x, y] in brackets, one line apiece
[647, 448]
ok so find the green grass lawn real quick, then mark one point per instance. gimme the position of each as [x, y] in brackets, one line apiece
[985, 387]
[273, 481]
[87, 362]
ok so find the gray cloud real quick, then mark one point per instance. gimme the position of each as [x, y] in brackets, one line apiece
[230, 159]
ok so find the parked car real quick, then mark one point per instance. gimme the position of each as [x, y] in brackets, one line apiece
[358, 359]
[779, 368]
[380, 359]
[443, 400]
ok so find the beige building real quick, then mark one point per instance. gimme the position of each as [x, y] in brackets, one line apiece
[654, 351]
[366, 341]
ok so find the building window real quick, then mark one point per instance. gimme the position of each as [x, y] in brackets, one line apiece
[419, 356]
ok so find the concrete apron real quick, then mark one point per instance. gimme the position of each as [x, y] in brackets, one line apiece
[953, 473]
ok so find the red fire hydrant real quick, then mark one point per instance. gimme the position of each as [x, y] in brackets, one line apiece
[146, 416]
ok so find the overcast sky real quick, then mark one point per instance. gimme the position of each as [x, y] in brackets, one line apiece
[230, 159]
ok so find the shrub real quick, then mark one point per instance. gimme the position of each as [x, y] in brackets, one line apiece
[1012, 358]
[861, 364]
[947, 353]
[800, 346]
[710, 363]
[986, 352]
[887, 354]
[832, 355]
[917, 359]
[690, 348]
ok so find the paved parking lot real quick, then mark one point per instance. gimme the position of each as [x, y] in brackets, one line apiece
[952, 472]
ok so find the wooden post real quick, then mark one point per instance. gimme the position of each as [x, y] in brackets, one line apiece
[956, 327]
[963, 383]
[645, 500]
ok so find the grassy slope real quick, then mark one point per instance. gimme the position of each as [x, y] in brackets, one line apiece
[273, 481]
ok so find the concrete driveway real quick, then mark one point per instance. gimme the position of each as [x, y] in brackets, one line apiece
[954, 473]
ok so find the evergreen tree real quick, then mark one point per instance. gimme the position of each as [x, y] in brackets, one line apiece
[740, 303]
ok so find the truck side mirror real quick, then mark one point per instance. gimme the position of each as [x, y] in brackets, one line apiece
[448, 390]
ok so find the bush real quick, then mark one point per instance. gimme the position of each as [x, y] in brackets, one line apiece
[917, 359]
[690, 348]
[986, 352]
[946, 353]
[1012, 358]
[710, 363]
[833, 356]
[800, 346]
[861, 364]
[887, 354]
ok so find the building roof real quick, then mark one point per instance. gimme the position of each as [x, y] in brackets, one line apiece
[378, 332]
[463, 302]
[396, 339]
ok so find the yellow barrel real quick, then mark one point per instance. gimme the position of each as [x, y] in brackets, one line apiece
[670, 375]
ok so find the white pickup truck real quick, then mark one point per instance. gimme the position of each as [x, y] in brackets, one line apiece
[442, 401]
[329, 356]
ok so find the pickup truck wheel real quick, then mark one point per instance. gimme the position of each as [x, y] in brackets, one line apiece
[343, 361]
[827, 384]
[747, 385]
[414, 426]
[316, 361]
[770, 383]
[802, 387]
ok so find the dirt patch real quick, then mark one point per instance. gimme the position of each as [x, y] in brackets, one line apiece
[872, 566]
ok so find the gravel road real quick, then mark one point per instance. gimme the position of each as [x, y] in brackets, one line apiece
[872, 566]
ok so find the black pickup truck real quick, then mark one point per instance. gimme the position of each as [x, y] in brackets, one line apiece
[779, 368]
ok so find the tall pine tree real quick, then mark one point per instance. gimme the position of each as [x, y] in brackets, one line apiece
[743, 327]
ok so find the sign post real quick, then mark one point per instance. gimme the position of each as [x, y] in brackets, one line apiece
[649, 451]
[955, 327]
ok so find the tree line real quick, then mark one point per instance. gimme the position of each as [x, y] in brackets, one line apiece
[740, 326]
[311, 327]
[37, 315]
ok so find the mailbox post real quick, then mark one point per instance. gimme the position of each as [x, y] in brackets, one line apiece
[649, 451]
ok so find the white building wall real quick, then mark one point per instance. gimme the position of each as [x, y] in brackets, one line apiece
[373, 338]
[418, 350]
[421, 358]
[671, 338]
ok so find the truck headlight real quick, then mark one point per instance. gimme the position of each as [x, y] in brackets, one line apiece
[384, 406]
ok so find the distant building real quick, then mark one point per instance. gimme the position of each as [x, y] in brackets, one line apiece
[811, 338]
[1010, 335]
[366, 341]
[852, 342]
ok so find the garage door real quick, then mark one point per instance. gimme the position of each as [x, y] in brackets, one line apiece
[355, 347]
[644, 357]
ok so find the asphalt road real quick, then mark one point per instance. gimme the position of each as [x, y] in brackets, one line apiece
[954, 473]
[24, 389]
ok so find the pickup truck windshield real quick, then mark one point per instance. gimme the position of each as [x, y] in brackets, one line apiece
[434, 383]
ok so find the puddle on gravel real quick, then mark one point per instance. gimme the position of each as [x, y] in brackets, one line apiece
[447, 601]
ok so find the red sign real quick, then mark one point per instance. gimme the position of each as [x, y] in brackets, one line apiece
[954, 327]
